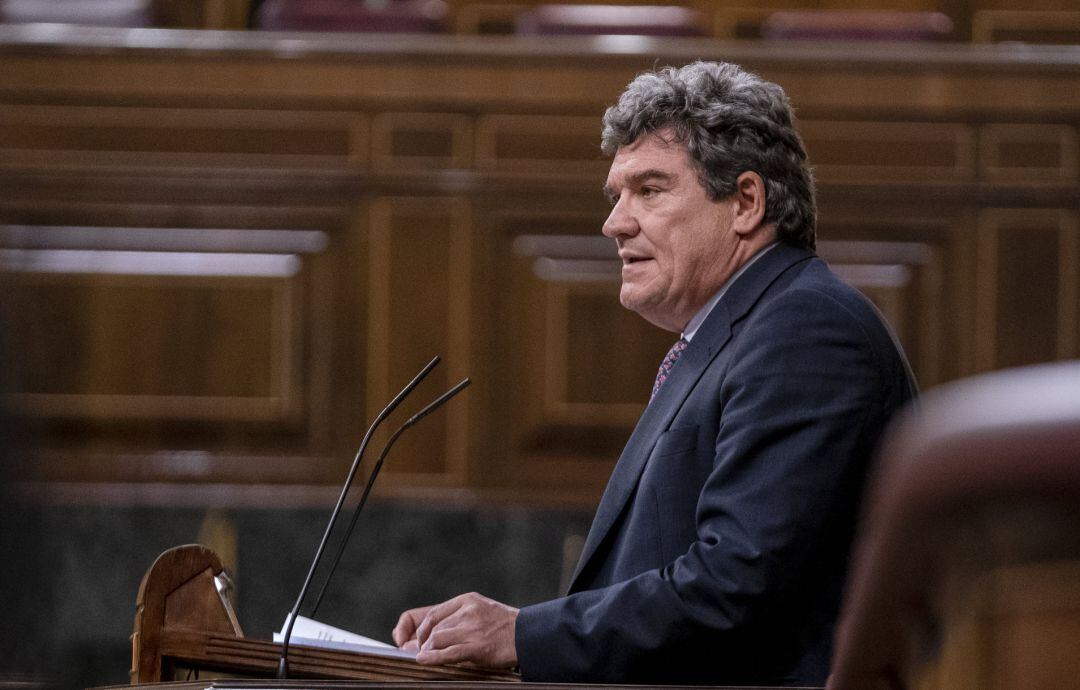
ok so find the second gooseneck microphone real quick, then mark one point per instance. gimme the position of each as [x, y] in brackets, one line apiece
[431, 407]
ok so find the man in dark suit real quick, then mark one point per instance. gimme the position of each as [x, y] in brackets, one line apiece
[720, 547]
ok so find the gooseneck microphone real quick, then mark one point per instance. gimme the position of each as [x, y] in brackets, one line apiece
[431, 407]
[283, 662]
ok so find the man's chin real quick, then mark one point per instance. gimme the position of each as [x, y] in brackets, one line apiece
[637, 303]
[630, 299]
[656, 313]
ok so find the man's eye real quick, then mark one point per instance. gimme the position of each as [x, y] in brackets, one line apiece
[649, 191]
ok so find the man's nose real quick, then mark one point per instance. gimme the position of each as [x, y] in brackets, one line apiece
[620, 223]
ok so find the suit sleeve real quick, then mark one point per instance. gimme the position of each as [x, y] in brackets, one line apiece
[800, 412]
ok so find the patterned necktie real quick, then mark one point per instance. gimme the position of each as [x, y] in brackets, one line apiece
[669, 362]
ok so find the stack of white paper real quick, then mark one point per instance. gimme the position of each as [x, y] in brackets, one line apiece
[312, 633]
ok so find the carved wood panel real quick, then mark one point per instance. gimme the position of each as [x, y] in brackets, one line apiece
[1028, 152]
[889, 150]
[418, 294]
[69, 134]
[539, 143]
[120, 333]
[425, 140]
[1027, 286]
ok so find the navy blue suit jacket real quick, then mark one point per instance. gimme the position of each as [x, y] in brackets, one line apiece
[720, 547]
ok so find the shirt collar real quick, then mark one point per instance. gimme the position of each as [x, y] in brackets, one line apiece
[703, 313]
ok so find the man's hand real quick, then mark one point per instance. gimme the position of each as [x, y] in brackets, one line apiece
[469, 628]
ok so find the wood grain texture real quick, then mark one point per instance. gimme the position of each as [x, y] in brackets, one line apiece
[947, 192]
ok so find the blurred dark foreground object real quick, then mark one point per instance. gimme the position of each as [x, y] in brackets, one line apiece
[967, 571]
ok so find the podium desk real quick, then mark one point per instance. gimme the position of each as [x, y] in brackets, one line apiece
[187, 637]
[186, 627]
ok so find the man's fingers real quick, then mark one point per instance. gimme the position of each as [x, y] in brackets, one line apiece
[405, 630]
[434, 616]
[446, 634]
[446, 655]
[470, 628]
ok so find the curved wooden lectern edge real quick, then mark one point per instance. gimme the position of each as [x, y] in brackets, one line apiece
[172, 570]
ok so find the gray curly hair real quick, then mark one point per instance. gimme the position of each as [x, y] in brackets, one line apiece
[731, 121]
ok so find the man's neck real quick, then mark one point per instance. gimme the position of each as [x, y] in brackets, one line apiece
[697, 319]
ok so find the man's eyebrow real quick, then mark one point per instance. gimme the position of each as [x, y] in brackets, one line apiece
[652, 174]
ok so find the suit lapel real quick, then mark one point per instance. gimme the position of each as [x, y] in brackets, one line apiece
[709, 341]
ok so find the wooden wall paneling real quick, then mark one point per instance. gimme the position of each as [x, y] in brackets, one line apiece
[1026, 25]
[487, 18]
[497, 16]
[585, 363]
[160, 209]
[745, 22]
[909, 261]
[94, 195]
[421, 140]
[359, 129]
[176, 354]
[247, 69]
[170, 371]
[51, 135]
[1069, 289]
[733, 18]
[1026, 285]
[136, 322]
[540, 143]
[889, 94]
[419, 306]
[585, 331]
[890, 150]
[329, 351]
[202, 14]
[963, 284]
[1028, 152]
[904, 280]
[252, 131]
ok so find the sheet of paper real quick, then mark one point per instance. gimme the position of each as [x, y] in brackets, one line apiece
[312, 633]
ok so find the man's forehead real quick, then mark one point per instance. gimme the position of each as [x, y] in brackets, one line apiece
[658, 140]
[648, 156]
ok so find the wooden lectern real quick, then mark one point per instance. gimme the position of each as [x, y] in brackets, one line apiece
[185, 622]
[185, 626]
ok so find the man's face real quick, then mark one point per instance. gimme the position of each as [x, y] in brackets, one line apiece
[676, 244]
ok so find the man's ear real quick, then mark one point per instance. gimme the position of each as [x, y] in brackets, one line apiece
[749, 201]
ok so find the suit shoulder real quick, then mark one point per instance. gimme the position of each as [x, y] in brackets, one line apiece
[810, 299]
[815, 284]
